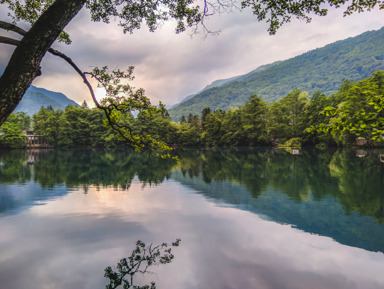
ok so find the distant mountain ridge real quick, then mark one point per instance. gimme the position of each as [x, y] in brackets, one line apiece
[221, 82]
[323, 69]
[35, 97]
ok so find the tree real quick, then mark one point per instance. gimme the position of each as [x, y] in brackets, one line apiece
[204, 115]
[358, 111]
[255, 111]
[11, 136]
[84, 105]
[47, 123]
[21, 119]
[48, 19]
[278, 12]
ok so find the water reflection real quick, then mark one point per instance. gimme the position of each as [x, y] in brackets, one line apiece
[312, 175]
[242, 237]
[324, 192]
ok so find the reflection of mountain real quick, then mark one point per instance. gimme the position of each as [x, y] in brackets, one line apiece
[330, 193]
[326, 217]
[16, 197]
[302, 190]
[55, 172]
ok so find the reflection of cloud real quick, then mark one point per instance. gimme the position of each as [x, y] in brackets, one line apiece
[171, 66]
[68, 242]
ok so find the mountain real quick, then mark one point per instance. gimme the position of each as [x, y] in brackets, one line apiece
[221, 82]
[35, 97]
[323, 69]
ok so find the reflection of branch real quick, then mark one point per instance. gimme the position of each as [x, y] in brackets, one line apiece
[143, 255]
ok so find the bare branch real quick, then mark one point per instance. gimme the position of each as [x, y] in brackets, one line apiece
[7, 40]
[11, 27]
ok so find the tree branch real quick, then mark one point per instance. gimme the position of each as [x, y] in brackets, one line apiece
[7, 40]
[10, 41]
[108, 110]
[24, 65]
[11, 27]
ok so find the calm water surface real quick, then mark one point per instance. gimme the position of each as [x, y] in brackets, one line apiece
[247, 218]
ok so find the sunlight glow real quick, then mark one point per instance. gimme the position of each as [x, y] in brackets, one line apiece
[100, 93]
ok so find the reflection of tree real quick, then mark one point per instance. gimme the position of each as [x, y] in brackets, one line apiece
[360, 183]
[14, 166]
[237, 165]
[356, 182]
[83, 168]
[301, 190]
[295, 175]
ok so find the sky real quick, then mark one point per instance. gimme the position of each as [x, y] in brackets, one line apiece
[172, 66]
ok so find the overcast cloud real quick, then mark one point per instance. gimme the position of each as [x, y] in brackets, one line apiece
[172, 66]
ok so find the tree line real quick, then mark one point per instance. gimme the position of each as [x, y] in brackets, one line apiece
[356, 110]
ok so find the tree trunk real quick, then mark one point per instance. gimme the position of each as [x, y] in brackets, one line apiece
[24, 65]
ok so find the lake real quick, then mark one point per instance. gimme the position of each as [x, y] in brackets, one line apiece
[247, 218]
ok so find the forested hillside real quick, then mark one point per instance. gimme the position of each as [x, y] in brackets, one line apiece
[322, 69]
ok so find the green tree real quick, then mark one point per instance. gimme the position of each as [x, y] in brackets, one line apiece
[204, 114]
[255, 118]
[11, 136]
[212, 135]
[48, 19]
[314, 117]
[47, 123]
[21, 119]
[233, 133]
[287, 116]
[357, 111]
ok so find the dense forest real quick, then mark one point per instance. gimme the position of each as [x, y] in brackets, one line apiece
[323, 69]
[356, 110]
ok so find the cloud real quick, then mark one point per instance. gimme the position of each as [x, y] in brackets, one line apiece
[171, 66]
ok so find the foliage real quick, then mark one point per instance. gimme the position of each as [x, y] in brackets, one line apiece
[357, 110]
[11, 132]
[130, 13]
[281, 11]
[141, 259]
[293, 142]
[11, 136]
[48, 19]
[120, 102]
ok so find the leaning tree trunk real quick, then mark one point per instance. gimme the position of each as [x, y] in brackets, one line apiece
[24, 65]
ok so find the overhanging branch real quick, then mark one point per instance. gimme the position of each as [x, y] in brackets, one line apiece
[11, 27]
[14, 42]
[123, 130]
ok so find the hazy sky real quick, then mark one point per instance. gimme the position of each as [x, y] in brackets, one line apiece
[171, 66]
